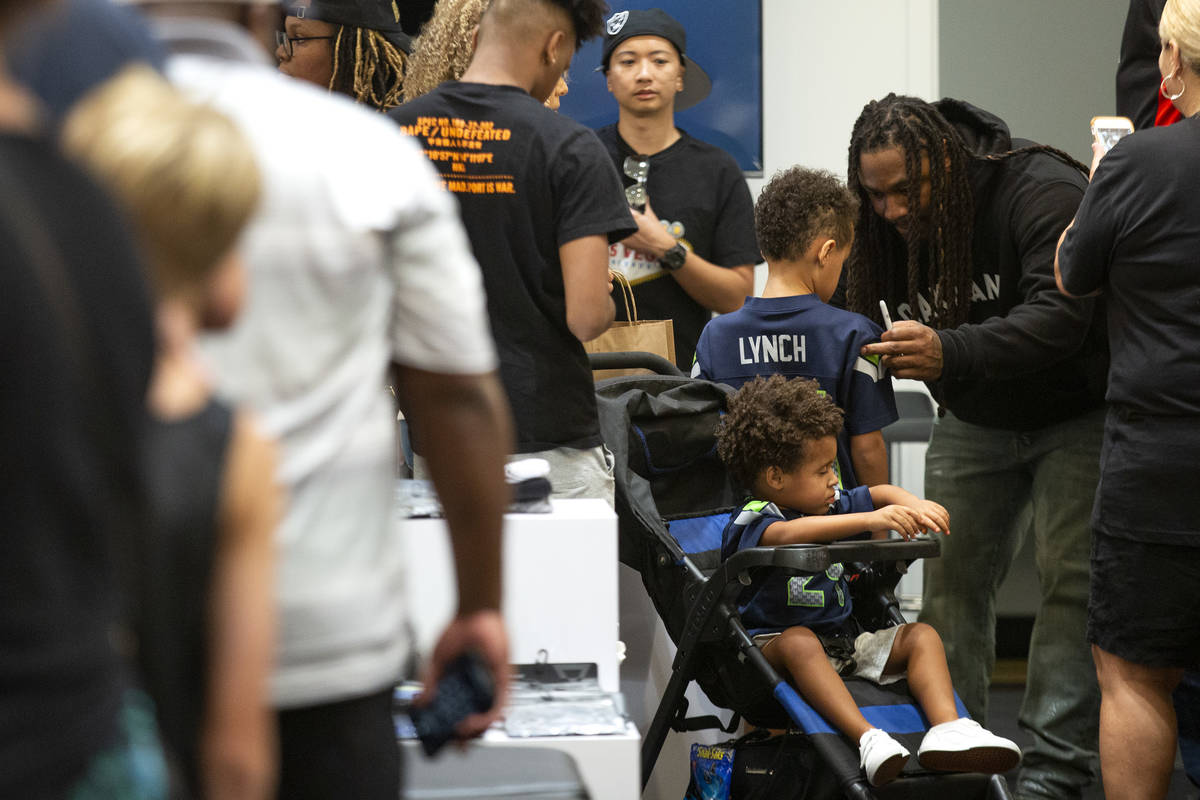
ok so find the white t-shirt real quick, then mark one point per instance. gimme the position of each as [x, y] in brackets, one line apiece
[356, 258]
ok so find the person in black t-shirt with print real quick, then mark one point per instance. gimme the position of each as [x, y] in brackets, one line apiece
[541, 202]
[694, 251]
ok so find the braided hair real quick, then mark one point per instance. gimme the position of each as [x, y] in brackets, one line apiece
[445, 46]
[942, 260]
[367, 67]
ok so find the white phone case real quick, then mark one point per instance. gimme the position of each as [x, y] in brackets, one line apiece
[1108, 130]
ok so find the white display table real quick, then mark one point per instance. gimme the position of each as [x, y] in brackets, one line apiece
[607, 766]
[560, 584]
[560, 596]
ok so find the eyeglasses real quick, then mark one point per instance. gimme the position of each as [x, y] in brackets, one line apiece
[636, 167]
[287, 42]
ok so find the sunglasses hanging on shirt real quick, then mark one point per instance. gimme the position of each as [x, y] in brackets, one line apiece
[637, 167]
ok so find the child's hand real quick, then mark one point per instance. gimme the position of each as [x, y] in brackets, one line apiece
[936, 514]
[906, 521]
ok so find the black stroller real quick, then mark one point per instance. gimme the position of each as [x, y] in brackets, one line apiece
[673, 499]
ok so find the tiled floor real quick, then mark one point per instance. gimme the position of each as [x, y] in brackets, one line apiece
[1005, 700]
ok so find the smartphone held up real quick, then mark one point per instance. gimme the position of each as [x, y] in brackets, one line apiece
[1107, 131]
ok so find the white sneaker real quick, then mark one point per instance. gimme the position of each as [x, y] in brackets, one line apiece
[964, 746]
[881, 757]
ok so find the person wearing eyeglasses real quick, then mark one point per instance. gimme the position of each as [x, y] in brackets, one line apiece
[353, 47]
[694, 251]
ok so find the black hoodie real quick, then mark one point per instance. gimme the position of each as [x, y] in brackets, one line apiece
[1028, 356]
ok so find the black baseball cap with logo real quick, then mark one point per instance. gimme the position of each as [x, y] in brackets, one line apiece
[376, 15]
[656, 22]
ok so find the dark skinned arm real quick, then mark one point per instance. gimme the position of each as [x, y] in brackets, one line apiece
[465, 429]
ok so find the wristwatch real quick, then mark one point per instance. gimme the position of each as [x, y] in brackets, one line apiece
[673, 259]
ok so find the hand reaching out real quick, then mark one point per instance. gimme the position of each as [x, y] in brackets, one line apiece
[909, 350]
[935, 512]
[910, 521]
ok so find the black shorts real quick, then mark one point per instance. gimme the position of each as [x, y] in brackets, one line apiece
[1143, 605]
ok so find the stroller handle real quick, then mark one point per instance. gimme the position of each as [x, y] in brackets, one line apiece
[816, 557]
[634, 359]
[885, 550]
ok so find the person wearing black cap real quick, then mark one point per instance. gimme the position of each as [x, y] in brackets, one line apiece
[353, 47]
[694, 252]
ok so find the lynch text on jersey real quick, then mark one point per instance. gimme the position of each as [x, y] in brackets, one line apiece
[774, 348]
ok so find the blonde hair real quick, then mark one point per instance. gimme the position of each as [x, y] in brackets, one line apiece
[1180, 23]
[444, 48]
[367, 67]
[183, 172]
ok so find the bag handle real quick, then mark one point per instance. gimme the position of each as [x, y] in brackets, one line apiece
[631, 312]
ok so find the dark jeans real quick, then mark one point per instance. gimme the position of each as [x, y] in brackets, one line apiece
[985, 477]
[340, 750]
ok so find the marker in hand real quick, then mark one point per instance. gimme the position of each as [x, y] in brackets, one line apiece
[887, 318]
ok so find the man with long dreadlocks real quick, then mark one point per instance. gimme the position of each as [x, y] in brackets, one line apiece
[352, 47]
[957, 234]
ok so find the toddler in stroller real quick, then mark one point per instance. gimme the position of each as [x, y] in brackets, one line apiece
[779, 440]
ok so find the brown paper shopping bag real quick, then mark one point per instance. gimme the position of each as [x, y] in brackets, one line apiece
[655, 336]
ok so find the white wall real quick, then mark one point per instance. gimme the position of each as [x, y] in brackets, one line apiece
[1046, 68]
[823, 61]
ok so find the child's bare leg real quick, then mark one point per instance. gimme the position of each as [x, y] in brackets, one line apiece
[798, 652]
[952, 744]
[919, 649]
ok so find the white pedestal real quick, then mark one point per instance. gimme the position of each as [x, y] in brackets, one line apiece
[645, 675]
[608, 765]
[560, 584]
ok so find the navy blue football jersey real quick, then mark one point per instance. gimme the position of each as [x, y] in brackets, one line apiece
[801, 337]
[779, 599]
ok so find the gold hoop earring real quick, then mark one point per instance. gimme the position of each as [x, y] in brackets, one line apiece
[1162, 88]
